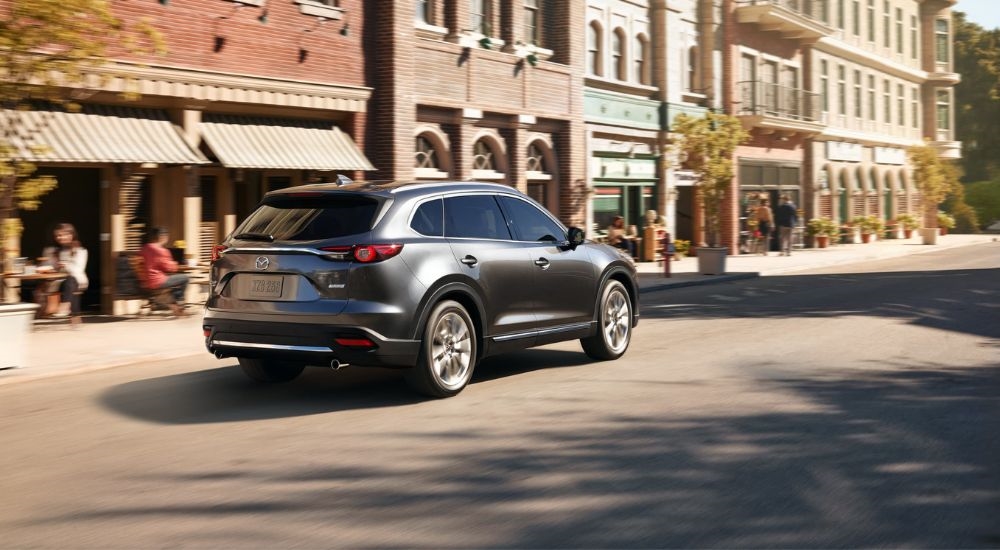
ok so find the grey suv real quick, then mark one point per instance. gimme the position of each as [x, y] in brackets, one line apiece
[428, 276]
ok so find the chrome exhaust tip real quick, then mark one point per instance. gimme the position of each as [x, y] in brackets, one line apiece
[337, 365]
[219, 354]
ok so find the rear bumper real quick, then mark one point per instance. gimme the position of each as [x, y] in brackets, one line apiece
[310, 343]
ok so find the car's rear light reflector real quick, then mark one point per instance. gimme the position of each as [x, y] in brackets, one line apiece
[354, 342]
[207, 331]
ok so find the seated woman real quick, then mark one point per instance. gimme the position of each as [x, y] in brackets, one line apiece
[617, 236]
[68, 256]
[161, 269]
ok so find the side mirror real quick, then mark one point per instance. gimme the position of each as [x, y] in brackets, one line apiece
[576, 237]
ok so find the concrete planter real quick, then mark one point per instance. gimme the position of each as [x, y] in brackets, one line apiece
[929, 235]
[712, 261]
[15, 326]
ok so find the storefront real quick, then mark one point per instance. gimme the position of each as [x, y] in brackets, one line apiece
[623, 187]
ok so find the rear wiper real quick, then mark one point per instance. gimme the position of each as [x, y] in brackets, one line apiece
[254, 237]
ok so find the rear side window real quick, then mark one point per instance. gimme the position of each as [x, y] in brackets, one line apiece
[297, 219]
[529, 223]
[474, 217]
[428, 219]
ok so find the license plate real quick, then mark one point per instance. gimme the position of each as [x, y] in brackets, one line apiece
[265, 286]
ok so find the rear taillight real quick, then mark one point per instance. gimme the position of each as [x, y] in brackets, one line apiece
[217, 251]
[355, 342]
[365, 253]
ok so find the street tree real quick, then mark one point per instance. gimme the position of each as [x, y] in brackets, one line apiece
[934, 178]
[705, 145]
[48, 48]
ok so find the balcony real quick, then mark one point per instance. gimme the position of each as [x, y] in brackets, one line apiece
[775, 108]
[951, 150]
[792, 19]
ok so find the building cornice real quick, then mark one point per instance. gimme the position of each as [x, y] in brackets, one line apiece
[834, 46]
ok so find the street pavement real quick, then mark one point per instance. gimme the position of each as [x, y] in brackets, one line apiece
[100, 342]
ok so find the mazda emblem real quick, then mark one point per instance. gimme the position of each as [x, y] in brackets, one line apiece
[262, 263]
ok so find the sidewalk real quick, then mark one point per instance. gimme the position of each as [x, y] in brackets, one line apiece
[104, 342]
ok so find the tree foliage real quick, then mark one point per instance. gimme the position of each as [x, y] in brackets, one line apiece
[977, 97]
[706, 146]
[48, 47]
[934, 177]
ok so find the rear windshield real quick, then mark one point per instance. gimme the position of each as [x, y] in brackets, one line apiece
[296, 219]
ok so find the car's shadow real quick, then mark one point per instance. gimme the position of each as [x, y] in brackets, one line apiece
[224, 394]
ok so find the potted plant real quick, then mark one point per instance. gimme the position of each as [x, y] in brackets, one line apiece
[908, 222]
[681, 249]
[822, 230]
[705, 146]
[869, 225]
[945, 222]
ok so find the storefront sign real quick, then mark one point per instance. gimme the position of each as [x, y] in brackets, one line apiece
[890, 155]
[839, 150]
[626, 168]
[685, 178]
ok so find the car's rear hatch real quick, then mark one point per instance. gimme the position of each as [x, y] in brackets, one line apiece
[293, 254]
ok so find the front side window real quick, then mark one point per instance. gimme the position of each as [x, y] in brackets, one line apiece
[915, 107]
[856, 17]
[535, 160]
[474, 217]
[900, 105]
[886, 39]
[872, 111]
[899, 30]
[841, 90]
[529, 223]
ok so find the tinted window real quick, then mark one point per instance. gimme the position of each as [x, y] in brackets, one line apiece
[428, 219]
[474, 217]
[529, 223]
[311, 219]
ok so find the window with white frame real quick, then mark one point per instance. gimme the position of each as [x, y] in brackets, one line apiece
[857, 94]
[943, 104]
[691, 75]
[639, 59]
[483, 157]
[887, 102]
[941, 40]
[536, 173]
[914, 42]
[427, 161]
[594, 49]
[533, 22]
[872, 111]
[871, 20]
[424, 13]
[840, 14]
[886, 24]
[900, 105]
[899, 30]
[479, 16]
[824, 85]
[915, 107]
[856, 17]
[841, 90]
[618, 54]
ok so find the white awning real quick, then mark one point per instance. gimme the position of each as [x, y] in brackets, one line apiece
[97, 134]
[270, 143]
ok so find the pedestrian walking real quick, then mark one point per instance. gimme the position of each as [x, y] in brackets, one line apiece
[765, 223]
[786, 218]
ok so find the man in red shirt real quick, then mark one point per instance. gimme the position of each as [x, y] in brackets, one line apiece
[161, 269]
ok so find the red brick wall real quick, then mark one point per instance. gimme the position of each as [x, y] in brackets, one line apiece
[270, 49]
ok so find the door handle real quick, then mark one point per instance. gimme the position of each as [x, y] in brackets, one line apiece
[542, 263]
[469, 260]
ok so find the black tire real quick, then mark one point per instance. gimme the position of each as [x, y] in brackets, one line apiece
[270, 372]
[447, 352]
[614, 324]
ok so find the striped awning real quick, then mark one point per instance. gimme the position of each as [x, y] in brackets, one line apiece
[270, 143]
[97, 134]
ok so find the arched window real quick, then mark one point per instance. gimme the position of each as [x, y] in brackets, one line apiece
[594, 49]
[639, 59]
[425, 156]
[618, 54]
[534, 161]
[483, 157]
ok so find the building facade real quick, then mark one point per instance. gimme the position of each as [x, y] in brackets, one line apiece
[480, 89]
[250, 96]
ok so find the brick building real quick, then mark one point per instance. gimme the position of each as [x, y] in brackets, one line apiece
[252, 95]
[485, 89]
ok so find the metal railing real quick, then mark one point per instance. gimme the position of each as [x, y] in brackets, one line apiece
[812, 9]
[767, 99]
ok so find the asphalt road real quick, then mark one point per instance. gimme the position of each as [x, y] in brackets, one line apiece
[853, 407]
